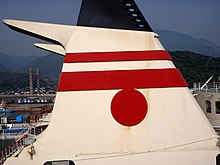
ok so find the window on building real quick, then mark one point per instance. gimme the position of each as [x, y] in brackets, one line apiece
[61, 162]
[217, 107]
[218, 159]
[208, 106]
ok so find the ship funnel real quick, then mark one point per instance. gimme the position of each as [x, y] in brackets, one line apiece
[120, 99]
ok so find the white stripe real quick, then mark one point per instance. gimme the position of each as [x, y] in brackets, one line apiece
[128, 65]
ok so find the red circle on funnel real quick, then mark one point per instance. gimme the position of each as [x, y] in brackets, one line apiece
[129, 107]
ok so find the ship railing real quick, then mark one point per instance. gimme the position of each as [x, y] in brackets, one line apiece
[36, 131]
[210, 87]
[15, 135]
[19, 144]
[10, 149]
[40, 125]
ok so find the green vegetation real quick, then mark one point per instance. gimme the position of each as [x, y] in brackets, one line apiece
[196, 67]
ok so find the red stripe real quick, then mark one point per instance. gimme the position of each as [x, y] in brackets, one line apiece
[106, 80]
[117, 56]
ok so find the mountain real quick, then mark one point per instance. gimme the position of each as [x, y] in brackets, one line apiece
[3, 69]
[50, 65]
[9, 79]
[15, 63]
[175, 41]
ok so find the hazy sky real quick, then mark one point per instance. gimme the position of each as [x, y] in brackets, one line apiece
[198, 18]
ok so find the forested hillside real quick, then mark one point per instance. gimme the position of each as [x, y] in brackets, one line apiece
[196, 67]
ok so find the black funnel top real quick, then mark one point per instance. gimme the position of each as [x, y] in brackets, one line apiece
[117, 14]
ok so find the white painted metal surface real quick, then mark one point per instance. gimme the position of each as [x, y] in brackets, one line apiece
[52, 48]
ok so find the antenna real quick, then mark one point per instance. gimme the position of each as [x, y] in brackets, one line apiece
[206, 82]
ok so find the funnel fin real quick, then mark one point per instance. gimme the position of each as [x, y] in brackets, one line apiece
[54, 33]
[51, 48]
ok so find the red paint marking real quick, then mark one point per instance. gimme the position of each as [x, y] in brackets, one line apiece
[117, 56]
[129, 107]
[121, 79]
